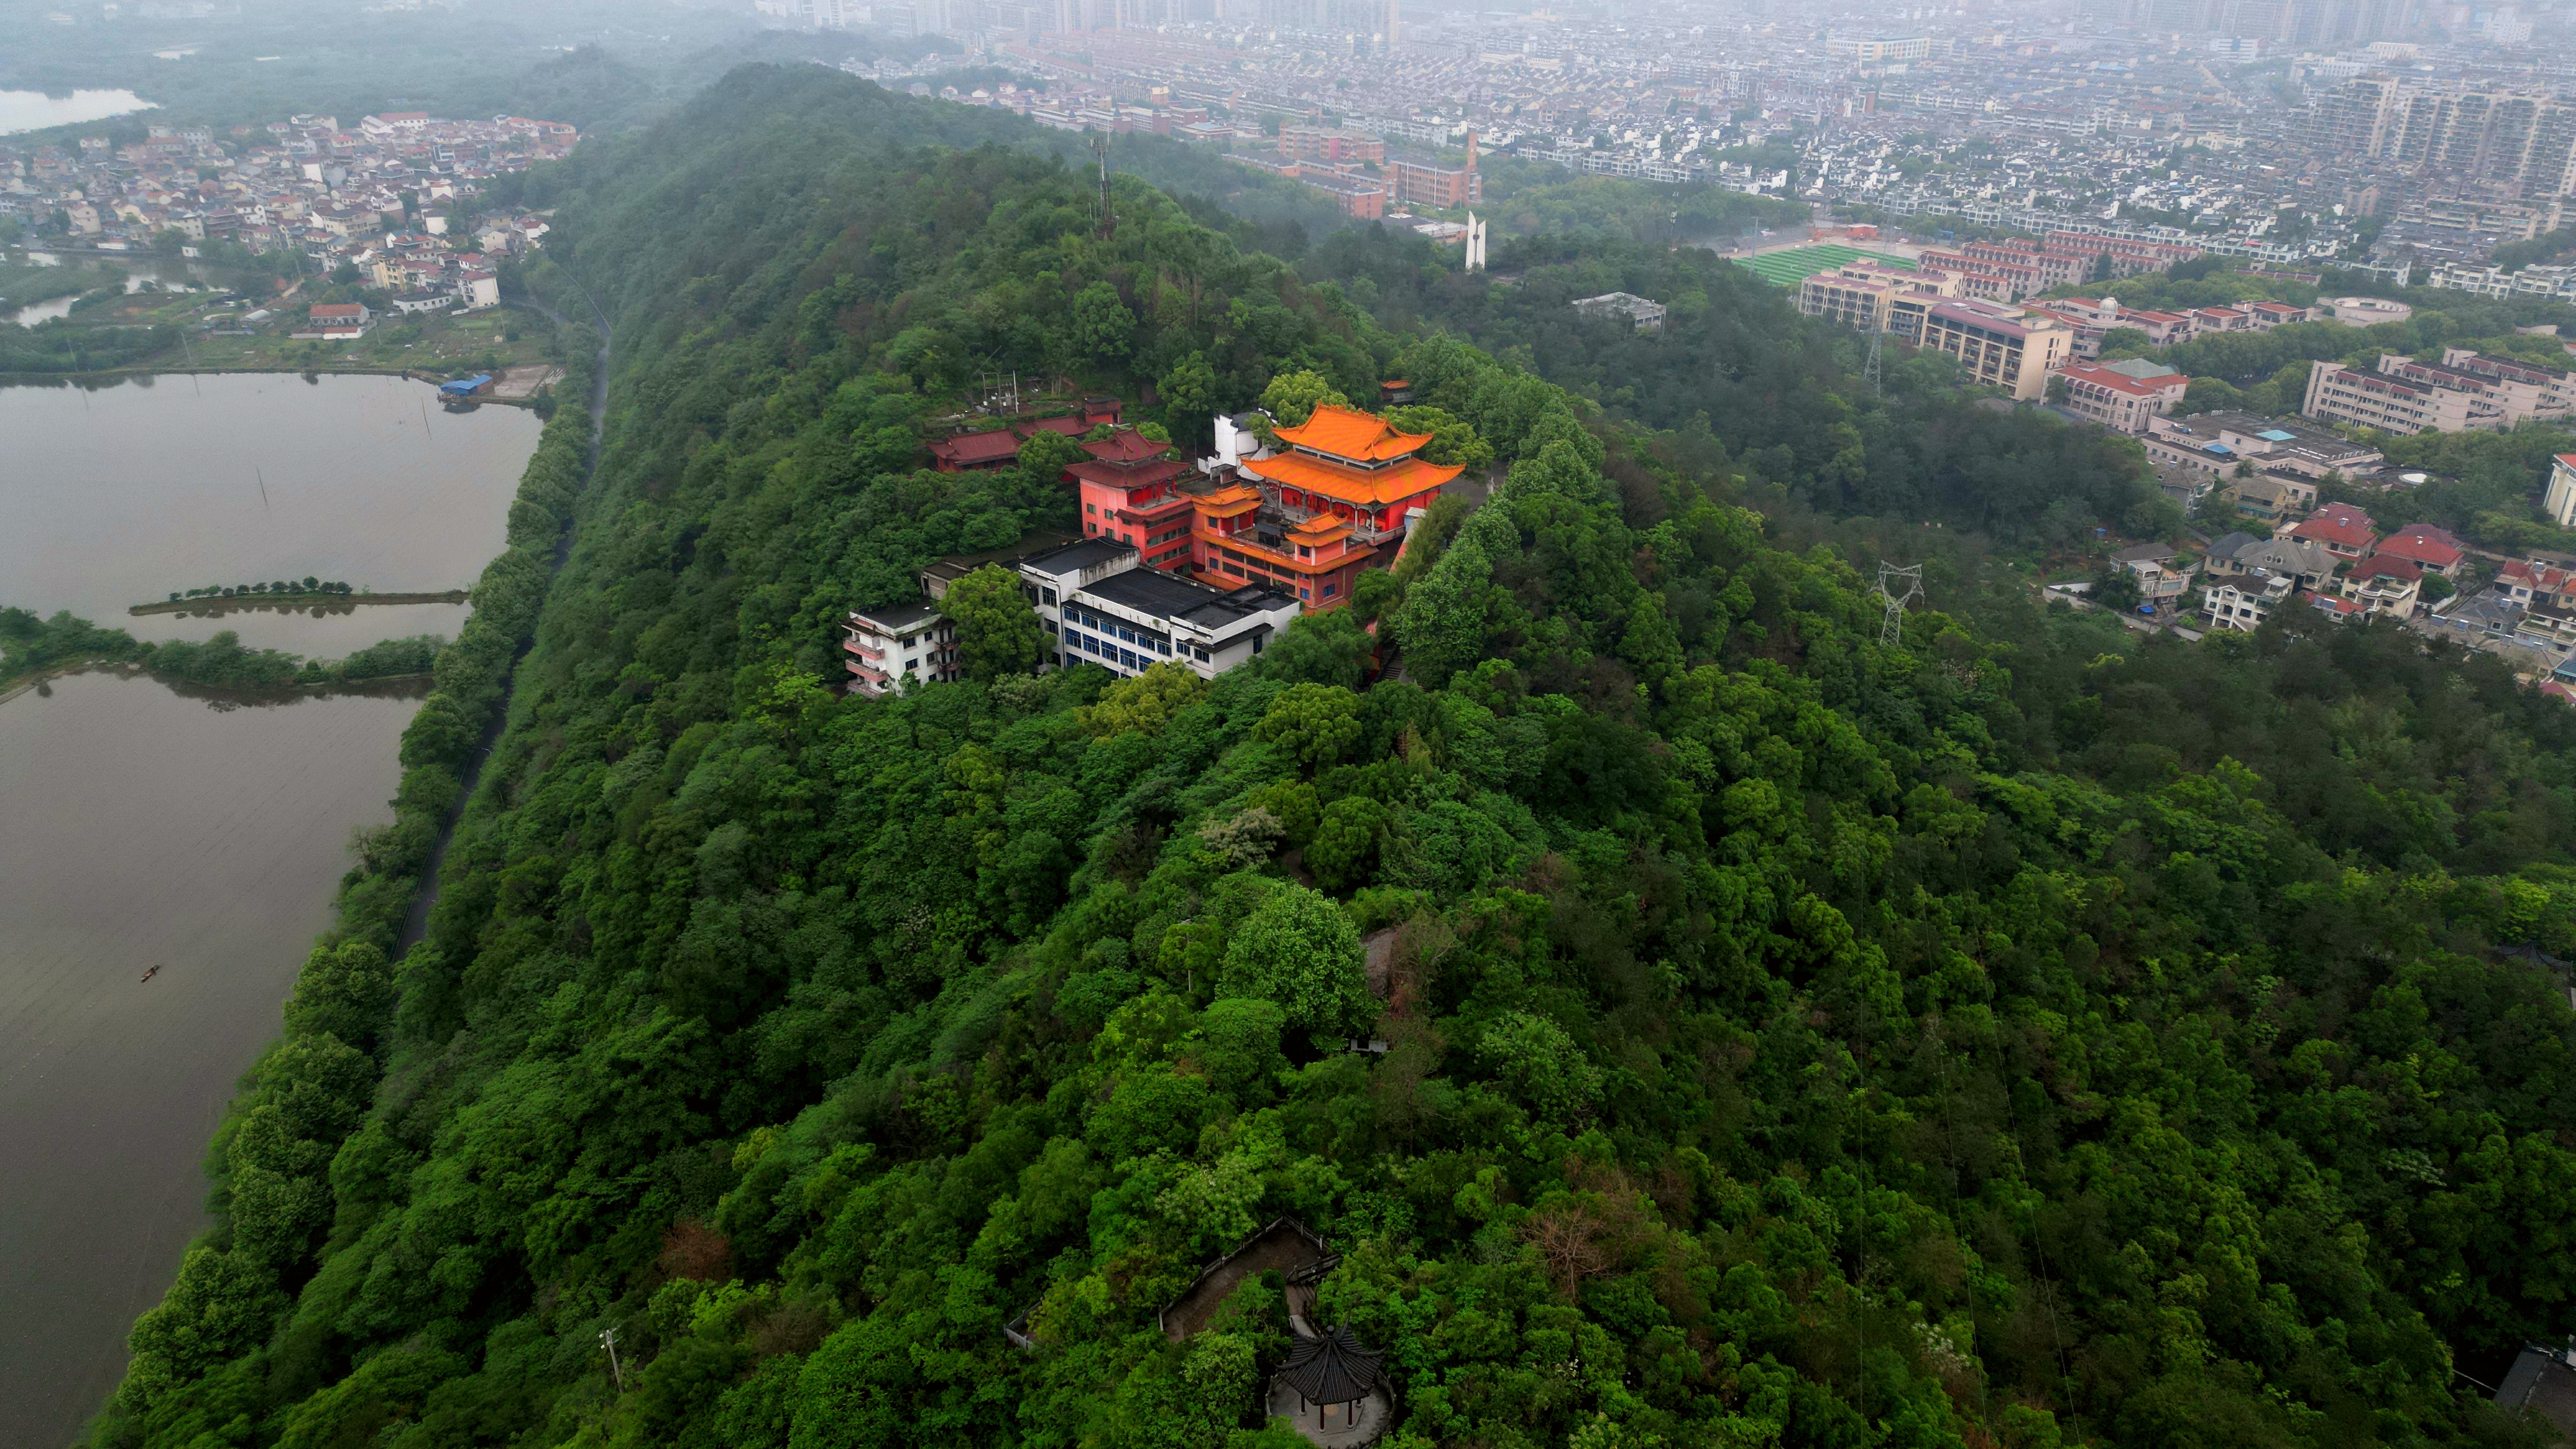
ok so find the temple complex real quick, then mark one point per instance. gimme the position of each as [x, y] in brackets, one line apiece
[1309, 515]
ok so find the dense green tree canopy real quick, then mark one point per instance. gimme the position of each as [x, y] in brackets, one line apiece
[997, 629]
[2014, 1032]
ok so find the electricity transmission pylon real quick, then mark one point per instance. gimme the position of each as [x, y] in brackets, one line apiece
[1892, 632]
[1869, 369]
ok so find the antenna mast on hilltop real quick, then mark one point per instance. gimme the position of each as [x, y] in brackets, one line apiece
[1869, 369]
[1108, 218]
[1892, 632]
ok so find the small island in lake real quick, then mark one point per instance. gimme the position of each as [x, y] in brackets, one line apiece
[216, 600]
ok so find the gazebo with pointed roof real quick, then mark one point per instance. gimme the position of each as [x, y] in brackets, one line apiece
[1331, 1369]
[1332, 1390]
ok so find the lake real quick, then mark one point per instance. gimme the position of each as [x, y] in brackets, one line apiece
[126, 494]
[141, 827]
[35, 111]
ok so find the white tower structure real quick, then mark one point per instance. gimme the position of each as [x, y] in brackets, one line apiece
[1475, 243]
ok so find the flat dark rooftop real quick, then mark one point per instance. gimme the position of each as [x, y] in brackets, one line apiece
[1077, 556]
[1172, 597]
[958, 565]
[898, 618]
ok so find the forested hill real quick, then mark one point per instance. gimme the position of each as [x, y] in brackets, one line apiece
[1792, 1038]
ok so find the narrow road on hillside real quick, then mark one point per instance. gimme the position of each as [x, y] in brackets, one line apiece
[425, 894]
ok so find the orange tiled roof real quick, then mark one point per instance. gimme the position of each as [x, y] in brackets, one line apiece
[1227, 502]
[1322, 528]
[1348, 433]
[1349, 485]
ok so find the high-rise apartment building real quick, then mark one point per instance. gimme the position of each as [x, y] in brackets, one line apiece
[2526, 140]
[2305, 24]
[1373, 19]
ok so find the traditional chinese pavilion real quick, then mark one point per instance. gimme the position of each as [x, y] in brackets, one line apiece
[1311, 515]
[1332, 1390]
[1130, 492]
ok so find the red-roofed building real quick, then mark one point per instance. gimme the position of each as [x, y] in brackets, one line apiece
[2385, 586]
[2343, 530]
[2162, 328]
[995, 447]
[967, 452]
[1130, 492]
[2336, 606]
[2118, 399]
[2536, 584]
[337, 320]
[2421, 544]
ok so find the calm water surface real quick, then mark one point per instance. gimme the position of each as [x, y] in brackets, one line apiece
[144, 828]
[46, 311]
[141, 827]
[34, 110]
[120, 496]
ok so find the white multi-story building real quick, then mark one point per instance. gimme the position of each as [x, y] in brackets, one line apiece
[2243, 603]
[2388, 586]
[2560, 501]
[888, 648]
[1099, 607]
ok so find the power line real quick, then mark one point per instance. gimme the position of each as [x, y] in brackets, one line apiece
[1891, 632]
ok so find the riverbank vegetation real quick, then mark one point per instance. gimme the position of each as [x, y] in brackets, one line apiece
[32, 647]
[2013, 1033]
[64, 345]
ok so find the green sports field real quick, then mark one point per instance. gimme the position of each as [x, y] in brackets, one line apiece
[1788, 268]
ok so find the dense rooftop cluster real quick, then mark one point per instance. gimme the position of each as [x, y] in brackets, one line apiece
[401, 182]
[2283, 133]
